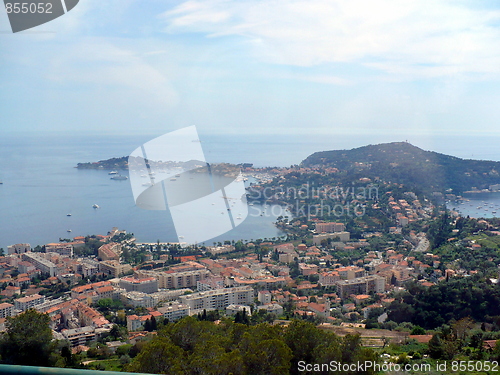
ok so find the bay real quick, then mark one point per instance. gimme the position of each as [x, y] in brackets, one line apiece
[41, 184]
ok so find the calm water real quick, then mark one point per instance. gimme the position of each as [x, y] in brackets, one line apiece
[41, 185]
[479, 205]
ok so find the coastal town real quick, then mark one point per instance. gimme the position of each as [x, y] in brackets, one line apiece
[88, 285]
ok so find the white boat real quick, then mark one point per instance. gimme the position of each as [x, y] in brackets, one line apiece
[95, 206]
[68, 214]
[113, 172]
[69, 230]
[119, 177]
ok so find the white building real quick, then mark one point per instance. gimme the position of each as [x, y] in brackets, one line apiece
[174, 311]
[25, 303]
[219, 298]
[18, 248]
[6, 309]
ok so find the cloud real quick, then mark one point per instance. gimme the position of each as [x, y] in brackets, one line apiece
[411, 38]
[103, 64]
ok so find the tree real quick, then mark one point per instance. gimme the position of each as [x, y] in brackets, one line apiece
[28, 339]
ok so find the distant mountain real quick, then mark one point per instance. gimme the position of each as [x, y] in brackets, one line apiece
[404, 163]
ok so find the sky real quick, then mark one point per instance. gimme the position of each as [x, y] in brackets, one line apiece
[268, 67]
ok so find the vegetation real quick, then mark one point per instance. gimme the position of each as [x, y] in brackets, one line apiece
[191, 346]
[406, 164]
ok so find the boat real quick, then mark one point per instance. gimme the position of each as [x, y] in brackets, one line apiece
[113, 172]
[68, 214]
[173, 179]
[69, 230]
[177, 175]
[95, 206]
[119, 177]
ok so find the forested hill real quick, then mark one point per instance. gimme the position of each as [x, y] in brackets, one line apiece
[404, 163]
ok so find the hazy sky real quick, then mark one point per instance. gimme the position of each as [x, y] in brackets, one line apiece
[271, 66]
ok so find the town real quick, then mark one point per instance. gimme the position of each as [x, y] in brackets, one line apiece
[108, 291]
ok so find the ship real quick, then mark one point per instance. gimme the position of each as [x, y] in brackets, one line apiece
[119, 177]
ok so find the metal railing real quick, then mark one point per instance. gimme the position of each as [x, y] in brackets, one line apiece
[36, 370]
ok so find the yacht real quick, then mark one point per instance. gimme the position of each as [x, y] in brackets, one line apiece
[68, 214]
[95, 206]
[113, 172]
[119, 177]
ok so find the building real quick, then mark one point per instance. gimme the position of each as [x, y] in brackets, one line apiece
[145, 284]
[287, 257]
[329, 278]
[174, 280]
[25, 267]
[90, 317]
[79, 336]
[6, 309]
[19, 248]
[138, 299]
[219, 298]
[329, 227]
[174, 311]
[63, 249]
[361, 285]
[114, 267]
[272, 308]
[44, 265]
[342, 236]
[135, 322]
[87, 267]
[110, 251]
[350, 272]
[210, 283]
[25, 303]
[308, 269]
[234, 309]
[264, 296]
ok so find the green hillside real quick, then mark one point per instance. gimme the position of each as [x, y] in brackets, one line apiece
[404, 163]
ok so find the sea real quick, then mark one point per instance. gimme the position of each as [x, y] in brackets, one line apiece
[41, 186]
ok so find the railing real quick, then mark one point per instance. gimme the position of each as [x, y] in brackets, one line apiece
[35, 370]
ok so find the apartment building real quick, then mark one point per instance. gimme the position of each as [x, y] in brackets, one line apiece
[114, 267]
[174, 280]
[342, 236]
[25, 303]
[41, 263]
[6, 309]
[361, 285]
[110, 251]
[144, 284]
[79, 336]
[219, 298]
[174, 311]
[350, 272]
[329, 227]
[63, 249]
[19, 248]
[210, 283]
[329, 278]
